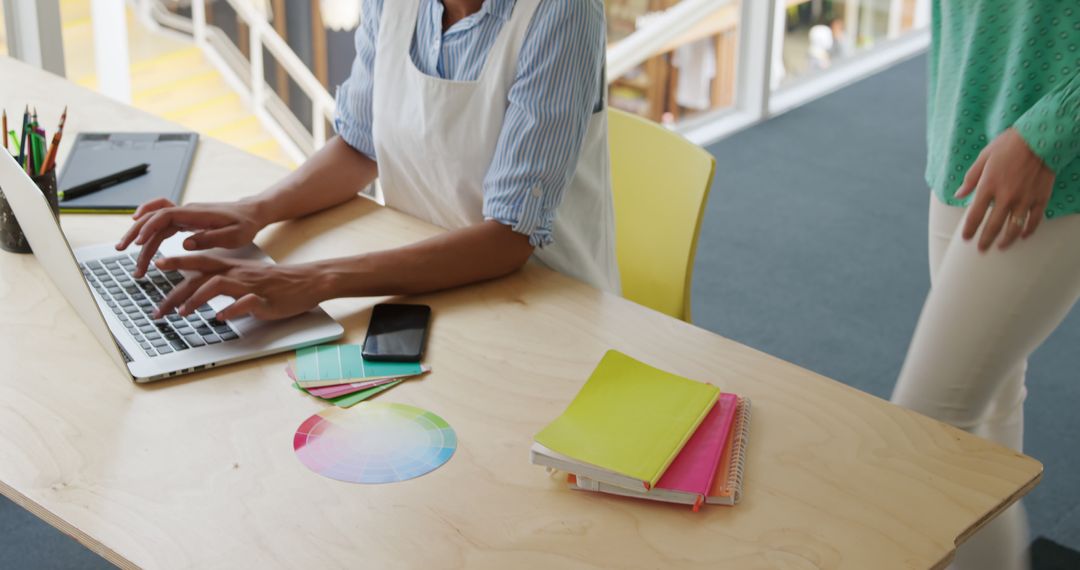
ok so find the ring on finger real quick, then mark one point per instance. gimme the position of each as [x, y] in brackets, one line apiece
[1019, 221]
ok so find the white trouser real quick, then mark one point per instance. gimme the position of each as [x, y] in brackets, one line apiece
[985, 314]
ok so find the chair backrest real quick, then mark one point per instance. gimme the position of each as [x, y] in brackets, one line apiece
[661, 182]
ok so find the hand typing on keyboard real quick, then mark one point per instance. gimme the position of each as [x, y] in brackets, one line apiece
[261, 290]
[228, 225]
[133, 302]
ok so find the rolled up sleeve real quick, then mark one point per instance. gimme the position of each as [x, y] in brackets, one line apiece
[354, 114]
[556, 91]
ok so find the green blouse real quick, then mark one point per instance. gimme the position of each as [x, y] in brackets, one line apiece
[996, 64]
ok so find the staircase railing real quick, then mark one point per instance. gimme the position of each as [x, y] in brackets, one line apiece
[246, 75]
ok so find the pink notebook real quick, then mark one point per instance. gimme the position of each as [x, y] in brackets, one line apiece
[689, 479]
[694, 469]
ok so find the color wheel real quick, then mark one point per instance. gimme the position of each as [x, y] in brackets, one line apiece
[374, 443]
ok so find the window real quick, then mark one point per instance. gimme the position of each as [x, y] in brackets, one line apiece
[676, 61]
[818, 34]
[691, 75]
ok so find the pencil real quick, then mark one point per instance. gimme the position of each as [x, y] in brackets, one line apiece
[39, 151]
[36, 152]
[22, 140]
[50, 158]
[4, 132]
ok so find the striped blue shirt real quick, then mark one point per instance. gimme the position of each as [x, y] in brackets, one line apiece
[557, 89]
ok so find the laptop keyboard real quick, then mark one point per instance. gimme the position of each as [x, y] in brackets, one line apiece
[133, 301]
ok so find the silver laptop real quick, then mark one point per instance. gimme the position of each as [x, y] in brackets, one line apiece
[118, 308]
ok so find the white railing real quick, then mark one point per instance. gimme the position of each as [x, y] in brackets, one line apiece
[248, 76]
[263, 35]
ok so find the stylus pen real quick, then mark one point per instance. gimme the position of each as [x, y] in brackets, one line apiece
[104, 182]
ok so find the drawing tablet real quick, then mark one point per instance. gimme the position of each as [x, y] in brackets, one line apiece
[95, 155]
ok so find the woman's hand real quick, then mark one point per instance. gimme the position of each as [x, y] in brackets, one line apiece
[229, 225]
[264, 291]
[1013, 184]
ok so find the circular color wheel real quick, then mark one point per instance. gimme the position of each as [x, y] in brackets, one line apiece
[374, 443]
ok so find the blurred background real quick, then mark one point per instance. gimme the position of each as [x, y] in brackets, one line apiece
[260, 74]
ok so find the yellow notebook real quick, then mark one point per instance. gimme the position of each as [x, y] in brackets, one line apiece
[626, 425]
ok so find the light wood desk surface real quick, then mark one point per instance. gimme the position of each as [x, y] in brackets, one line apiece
[199, 472]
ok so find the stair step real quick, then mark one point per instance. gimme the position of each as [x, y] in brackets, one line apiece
[243, 131]
[181, 92]
[74, 12]
[190, 55]
[272, 151]
[210, 114]
[163, 75]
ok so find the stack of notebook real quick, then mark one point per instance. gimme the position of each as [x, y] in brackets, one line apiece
[637, 431]
[340, 375]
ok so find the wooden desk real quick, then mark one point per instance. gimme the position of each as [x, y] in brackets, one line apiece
[199, 472]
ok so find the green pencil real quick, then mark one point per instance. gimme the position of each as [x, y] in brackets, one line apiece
[39, 158]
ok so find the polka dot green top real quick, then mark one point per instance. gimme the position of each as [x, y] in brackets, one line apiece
[996, 64]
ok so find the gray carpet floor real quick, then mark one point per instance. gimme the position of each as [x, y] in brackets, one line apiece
[813, 249]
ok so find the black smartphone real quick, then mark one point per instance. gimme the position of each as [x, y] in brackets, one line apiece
[397, 333]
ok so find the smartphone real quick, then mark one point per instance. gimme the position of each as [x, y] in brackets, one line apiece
[397, 333]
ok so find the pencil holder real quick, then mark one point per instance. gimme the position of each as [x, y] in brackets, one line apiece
[11, 235]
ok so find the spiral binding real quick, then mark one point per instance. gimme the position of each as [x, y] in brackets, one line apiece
[738, 451]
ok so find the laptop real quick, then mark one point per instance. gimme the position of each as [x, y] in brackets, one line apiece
[118, 308]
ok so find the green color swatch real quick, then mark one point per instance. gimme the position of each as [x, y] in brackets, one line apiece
[350, 400]
[344, 362]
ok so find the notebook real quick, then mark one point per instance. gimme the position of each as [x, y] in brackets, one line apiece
[626, 425]
[95, 155]
[727, 487]
[725, 483]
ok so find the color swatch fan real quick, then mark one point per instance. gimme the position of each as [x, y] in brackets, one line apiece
[374, 443]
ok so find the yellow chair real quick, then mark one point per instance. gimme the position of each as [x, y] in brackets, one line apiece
[661, 182]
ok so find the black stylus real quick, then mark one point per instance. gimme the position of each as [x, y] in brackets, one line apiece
[104, 182]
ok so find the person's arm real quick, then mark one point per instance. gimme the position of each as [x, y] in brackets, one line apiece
[468, 255]
[553, 98]
[1051, 127]
[347, 163]
[558, 88]
[333, 175]
[1015, 174]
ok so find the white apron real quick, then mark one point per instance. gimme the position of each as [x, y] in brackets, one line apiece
[435, 140]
